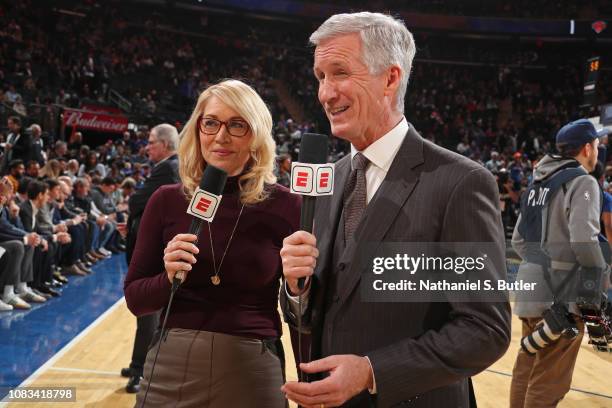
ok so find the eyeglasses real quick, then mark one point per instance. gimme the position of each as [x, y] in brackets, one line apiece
[235, 127]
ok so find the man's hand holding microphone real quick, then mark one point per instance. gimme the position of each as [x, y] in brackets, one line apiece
[348, 375]
[311, 177]
[299, 255]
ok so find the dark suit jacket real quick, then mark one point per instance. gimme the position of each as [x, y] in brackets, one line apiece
[9, 231]
[164, 173]
[422, 354]
[26, 214]
[22, 149]
[37, 149]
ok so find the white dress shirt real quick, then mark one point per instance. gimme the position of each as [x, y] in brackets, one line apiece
[381, 154]
[34, 212]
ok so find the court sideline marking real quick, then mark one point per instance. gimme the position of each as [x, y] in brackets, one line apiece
[83, 370]
[65, 349]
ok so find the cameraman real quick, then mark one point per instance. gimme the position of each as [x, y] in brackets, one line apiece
[557, 232]
[508, 198]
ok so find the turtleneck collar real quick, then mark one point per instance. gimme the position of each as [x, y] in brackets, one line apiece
[231, 185]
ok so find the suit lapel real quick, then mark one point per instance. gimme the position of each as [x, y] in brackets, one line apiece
[383, 209]
[29, 212]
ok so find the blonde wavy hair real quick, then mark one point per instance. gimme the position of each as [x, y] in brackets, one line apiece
[52, 169]
[259, 169]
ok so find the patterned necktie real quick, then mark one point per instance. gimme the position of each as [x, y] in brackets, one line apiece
[355, 196]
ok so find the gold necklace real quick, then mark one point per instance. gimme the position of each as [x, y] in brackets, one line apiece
[215, 279]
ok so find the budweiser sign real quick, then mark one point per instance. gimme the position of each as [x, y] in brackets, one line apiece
[95, 121]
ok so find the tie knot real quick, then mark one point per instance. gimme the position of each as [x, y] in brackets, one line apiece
[360, 162]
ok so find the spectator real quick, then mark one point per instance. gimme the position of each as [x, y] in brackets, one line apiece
[52, 169]
[494, 164]
[284, 170]
[161, 149]
[66, 222]
[38, 149]
[60, 149]
[76, 141]
[91, 165]
[16, 170]
[38, 196]
[19, 107]
[33, 169]
[101, 224]
[16, 261]
[72, 169]
[18, 144]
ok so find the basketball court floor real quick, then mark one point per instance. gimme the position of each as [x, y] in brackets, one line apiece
[83, 338]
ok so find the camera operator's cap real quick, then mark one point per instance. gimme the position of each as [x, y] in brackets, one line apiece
[579, 132]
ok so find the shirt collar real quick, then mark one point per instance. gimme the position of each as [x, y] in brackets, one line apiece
[382, 152]
[34, 208]
[163, 160]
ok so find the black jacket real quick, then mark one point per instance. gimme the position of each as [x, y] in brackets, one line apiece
[163, 173]
[22, 148]
[8, 230]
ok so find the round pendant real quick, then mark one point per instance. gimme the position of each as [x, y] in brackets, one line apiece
[215, 280]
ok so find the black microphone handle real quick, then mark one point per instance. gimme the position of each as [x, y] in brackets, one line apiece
[194, 228]
[306, 219]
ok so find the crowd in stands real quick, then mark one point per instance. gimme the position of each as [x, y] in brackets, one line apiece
[545, 9]
[499, 105]
[61, 210]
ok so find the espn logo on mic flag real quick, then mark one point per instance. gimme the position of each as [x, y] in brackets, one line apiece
[312, 179]
[204, 205]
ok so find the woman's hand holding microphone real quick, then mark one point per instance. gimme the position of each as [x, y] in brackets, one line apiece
[179, 255]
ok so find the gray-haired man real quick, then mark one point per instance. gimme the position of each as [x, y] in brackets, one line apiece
[161, 149]
[396, 187]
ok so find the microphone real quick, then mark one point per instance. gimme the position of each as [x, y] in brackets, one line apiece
[203, 206]
[311, 176]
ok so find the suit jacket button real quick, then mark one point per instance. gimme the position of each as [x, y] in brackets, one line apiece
[336, 298]
[341, 266]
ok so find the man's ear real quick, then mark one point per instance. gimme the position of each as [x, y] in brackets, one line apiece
[393, 77]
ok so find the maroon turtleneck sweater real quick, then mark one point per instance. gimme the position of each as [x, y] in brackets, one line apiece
[245, 303]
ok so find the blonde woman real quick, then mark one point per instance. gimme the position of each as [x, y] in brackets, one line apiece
[222, 347]
[52, 169]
